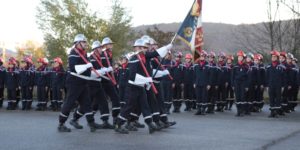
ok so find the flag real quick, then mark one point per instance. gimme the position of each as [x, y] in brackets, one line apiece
[191, 31]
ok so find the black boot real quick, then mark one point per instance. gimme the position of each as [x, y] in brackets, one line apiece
[59, 104]
[230, 104]
[218, 108]
[280, 112]
[187, 108]
[288, 108]
[210, 109]
[63, 128]
[247, 109]
[114, 121]
[194, 104]
[13, 105]
[203, 108]
[1, 102]
[159, 126]
[53, 105]
[9, 106]
[239, 111]
[152, 128]
[121, 129]
[176, 110]
[38, 107]
[106, 125]
[167, 110]
[199, 111]
[28, 104]
[226, 105]
[24, 102]
[94, 126]
[273, 114]
[75, 124]
[44, 107]
[171, 123]
[130, 127]
[223, 106]
[138, 124]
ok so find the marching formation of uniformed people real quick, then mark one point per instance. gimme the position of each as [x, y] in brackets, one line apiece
[148, 81]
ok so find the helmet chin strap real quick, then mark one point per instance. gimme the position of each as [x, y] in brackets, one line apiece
[82, 48]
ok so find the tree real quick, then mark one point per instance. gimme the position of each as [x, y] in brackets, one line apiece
[294, 32]
[61, 20]
[119, 28]
[30, 48]
[293, 5]
[273, 34]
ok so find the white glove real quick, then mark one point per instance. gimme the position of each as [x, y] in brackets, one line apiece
[110, 69]
[148, 86]
[101, 71]
[89, 65]
[141, 80]
[166, 72]
[93, 75]
[158, 74]
[82, 68]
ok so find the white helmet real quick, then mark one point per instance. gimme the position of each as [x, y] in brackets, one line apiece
[79, 38]
[152, 42]
[140, 42]
[107, 40]
[96, 44]
[146, 38]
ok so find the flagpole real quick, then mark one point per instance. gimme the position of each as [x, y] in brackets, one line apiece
[173, 38]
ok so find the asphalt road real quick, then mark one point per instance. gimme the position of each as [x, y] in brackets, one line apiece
[30, 130]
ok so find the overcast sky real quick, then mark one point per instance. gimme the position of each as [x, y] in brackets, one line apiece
[18, 22]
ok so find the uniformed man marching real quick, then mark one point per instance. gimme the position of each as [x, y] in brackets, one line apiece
[139, 77]
[77, 87]
[123, 79]
[108, 86]
[97, 93]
